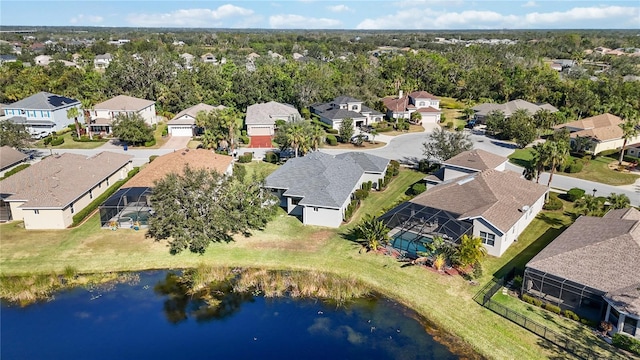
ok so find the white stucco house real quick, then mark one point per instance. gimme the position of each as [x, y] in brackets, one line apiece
[261, 118]
[494, 205]
[105, 112]
[47, 194]
[318, 187]
[102, 61]
[184, 123]
[402, 106]
[43, 113]
[343, 107]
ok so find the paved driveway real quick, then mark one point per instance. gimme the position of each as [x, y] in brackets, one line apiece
[176, 142]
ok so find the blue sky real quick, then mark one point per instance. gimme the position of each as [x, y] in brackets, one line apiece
[317, 14]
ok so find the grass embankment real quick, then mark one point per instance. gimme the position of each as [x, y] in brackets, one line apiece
[596, 169]
[287, 244]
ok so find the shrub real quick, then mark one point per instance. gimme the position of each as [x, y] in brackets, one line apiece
[239, 171]
[165, 131]
[361, 194]
[477, 270]
[626, 342]
[47, 140]
[152, 157]
[571, 315]
[381, 184]
[331, 140]
[554, 309]
[449, 125]
[323, 125]
[271, 157]
[367, 186]
[15, 170]
[575, 194]
[333, 131]
[245, 158]
[517, 282]
[244, 139]
[553, 203]
[575, 167]
[459, 127]
[244, 132]
[150, 143]
[351, 208]
[57, 141]
[531, 300]
[418, 188]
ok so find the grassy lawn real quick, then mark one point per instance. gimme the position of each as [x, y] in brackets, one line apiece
[596, 170]
[70, 144]
[259, 167]
[412, 129]
[447, 301]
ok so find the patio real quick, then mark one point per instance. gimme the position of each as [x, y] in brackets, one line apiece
[127, 208]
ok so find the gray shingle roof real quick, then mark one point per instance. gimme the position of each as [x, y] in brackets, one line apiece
[43, 101]
[192, 112]
[601, 253]
[370, 110]
[338, 114]
[58, 180]
[476, 159]
[10, 156]
[368, 163]
[345, 99]
[320, 179]
[268, 113]
[497, 196]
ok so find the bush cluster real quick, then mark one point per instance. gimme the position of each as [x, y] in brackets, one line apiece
[245, 158]
[367, 185]
[150, 143]
[459, 127]
[361, 194]
[152, 157]
[331, 140]
[351, 208]
[553, 308]
[556, 309]
[571, 315]
[333, 131]
[418, 189]
[449, 125]
[553, 203]
[531, 300]
[394, 168]
[244, 139]
[626, 342]
[55, 141]
[271, 157]
[575, 194]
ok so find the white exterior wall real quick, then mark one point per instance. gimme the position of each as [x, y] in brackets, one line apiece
[148, 114]
[481, 225]
[431, 118]
[45, 219]
[322, 216]
[373, 177]
[260, 130]
[502, 166]
[617, 328]
[455, 172]
[423, 103]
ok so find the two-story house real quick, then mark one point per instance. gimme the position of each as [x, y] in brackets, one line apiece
[343, 107]
[43, 113]
[105, 112]
[402, 106]
[102, 61]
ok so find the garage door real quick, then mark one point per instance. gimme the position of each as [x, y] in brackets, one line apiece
[259, 130]
[180, 131]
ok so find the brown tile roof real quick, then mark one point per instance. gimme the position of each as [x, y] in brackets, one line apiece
[58, 180]
[477, 160]
[175, 162]
[494, 195]
[124, 102]
[598, 121]
[600, 134]
[429, 109]
[394, 104]
[422, 95]
[601, 253]
[10, 156]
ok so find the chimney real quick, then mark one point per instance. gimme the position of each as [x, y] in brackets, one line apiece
[400, 94]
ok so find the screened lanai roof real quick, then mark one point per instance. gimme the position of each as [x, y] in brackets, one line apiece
[427, 221]
[127, 195]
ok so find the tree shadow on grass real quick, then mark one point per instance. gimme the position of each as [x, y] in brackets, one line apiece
[519, 261]
[552, 221]
[520, 162]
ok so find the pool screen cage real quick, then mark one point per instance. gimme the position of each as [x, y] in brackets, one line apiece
[426, 221]
[566, 294]
[126, 208]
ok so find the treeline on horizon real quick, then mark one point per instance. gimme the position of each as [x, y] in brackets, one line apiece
[337, 63]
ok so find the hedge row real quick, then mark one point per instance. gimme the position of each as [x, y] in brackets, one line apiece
[85, 138]
[351, 208]
[245, 158]
[331, 140]
[15, 170]
[82, 214]
[553, 308]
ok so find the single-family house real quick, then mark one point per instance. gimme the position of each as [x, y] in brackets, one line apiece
[42, 60]
[47, 194]
[187, 60]
[508, 108]
[184, 123]
[209, 58]
[261, 118]
[43, 113]
[494, 205]
[401, 107]
[318, 187]
[102, 61]
[132, 203]
[343, 107]
[603, 132]
[10, 157]
[592, 269]
[105, 112]
[466, 163]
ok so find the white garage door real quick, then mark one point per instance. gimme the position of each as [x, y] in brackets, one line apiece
[259, 130]
[180, 130]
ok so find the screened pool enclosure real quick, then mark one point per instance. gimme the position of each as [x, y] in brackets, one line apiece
[413, 225]
[127, 208]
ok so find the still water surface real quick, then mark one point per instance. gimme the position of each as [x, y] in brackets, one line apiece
[146, 321]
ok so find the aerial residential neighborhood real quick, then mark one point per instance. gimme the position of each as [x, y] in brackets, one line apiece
[486, 181]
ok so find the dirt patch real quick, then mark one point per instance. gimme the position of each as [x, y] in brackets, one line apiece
[624, 168]
[308, 244]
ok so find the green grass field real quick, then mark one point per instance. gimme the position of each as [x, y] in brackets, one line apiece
[445, 300]
[69, 143]
[596, 170]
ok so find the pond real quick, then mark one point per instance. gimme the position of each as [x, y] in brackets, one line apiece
[148, 319]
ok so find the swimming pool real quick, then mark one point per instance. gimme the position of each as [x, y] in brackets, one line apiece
[141, 216]
[410, 242]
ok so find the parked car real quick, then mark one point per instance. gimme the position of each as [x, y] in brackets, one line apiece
[364, 137]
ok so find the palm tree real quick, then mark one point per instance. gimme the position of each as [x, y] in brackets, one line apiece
[537, 162]
[468, 112]
[618, 201]
[295, 136]
[589, 205]
[554, 154]
[208, 139]
[87, 105]
[470, 251]
[373, 232]
[629, 131]
[374, 132]
[73, 113]
[317, 137]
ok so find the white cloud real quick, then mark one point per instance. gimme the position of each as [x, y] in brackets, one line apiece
[339, 8]
[426, 18]
[291, 21]
[530, 4]
[86, 19]
[194, 17]
[418, 3]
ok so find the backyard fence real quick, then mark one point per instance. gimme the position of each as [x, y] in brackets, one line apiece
[483, 297]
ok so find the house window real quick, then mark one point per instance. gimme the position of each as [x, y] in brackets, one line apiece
[488, 238]
[315, 209]
[630, 325]
[421, 103]
[354, 107]
[90, 194]
[295, 201]
[72, 209]
[36, 212]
